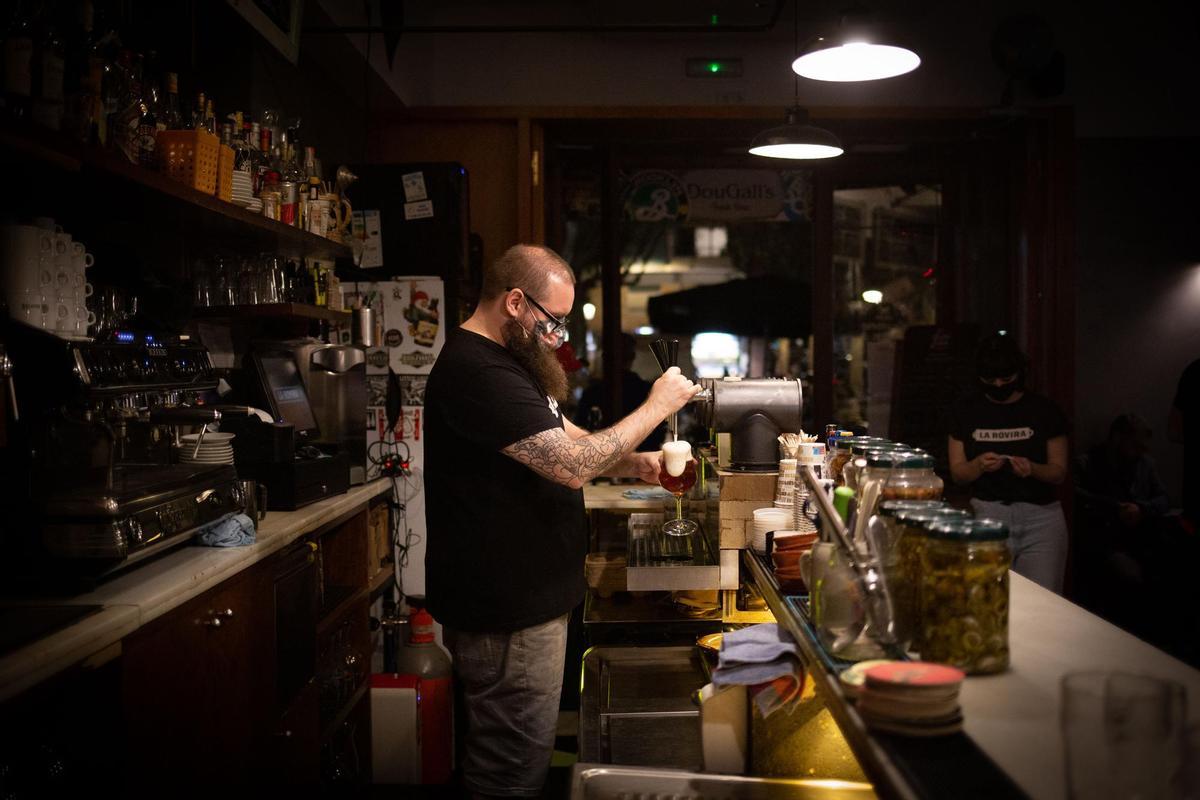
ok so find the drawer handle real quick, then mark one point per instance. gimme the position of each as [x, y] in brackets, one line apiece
[214, 620]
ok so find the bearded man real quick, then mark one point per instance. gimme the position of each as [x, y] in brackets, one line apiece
[504, 510]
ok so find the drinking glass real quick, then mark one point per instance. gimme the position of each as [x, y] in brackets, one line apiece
[677, 478]
[1123, 735]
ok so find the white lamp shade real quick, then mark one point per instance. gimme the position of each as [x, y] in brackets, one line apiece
[855, 61]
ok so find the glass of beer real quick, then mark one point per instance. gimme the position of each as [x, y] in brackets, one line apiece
[677, 475]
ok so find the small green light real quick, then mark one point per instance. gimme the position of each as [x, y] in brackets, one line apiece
[713, 19]
[714, 67]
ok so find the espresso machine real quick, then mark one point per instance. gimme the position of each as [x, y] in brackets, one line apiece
[89, 468]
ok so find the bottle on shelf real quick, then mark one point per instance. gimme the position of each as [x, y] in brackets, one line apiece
[18, 64]
[147, 129]
[48, 69]
[123, 123]
[171, 118]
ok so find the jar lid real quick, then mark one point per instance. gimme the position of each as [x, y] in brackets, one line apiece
[968, 530]
[924, 516]
[914, 459]
[890, 508]
[884, 458]
[863, 447]
[846, 442]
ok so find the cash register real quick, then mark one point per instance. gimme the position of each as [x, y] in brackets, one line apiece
[283, 454]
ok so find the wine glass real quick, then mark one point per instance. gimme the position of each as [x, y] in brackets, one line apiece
[677, 474]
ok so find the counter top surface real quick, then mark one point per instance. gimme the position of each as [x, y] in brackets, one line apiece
[150, 590]
[610, 496]
[1013, 717]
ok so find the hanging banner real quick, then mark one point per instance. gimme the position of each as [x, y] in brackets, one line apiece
[718, 195]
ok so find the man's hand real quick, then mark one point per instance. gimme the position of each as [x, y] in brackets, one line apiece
[670, 393]
[1021, 466]
[645, 466]
[1129, 514]
[989, 462]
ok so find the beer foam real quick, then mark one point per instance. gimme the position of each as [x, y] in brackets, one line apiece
[676, 455]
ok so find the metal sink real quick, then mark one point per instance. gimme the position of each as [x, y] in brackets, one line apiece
[603, 782]
[636, 706]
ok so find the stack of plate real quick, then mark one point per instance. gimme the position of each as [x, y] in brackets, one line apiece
[217, 448]
[243, 193]
[912, 698]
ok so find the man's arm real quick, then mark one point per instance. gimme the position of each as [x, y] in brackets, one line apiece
[630, 465]
[572, 462]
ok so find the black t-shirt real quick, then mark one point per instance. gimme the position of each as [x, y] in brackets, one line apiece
[1187, 400]
[1015, 429]
[505, 546]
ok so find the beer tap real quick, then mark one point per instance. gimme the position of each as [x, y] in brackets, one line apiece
[666, 354]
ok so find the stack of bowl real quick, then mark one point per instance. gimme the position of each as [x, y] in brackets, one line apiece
[787, 548]
[765, 521]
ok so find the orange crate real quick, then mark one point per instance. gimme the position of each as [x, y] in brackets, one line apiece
[190, 157]
[225, 174]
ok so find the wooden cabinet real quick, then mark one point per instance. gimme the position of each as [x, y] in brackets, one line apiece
[198, 686]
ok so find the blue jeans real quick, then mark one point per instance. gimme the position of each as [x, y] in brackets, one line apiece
[511, 683]
[1037, 539]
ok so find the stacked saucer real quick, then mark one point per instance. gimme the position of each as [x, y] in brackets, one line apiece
[216, 448]
[243, 193]
[912, 698]
[765, 521]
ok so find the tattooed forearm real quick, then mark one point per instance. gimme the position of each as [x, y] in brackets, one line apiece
[572, 462]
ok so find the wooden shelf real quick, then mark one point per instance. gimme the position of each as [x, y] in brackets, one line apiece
[346, 599]
[330, 729]
[273, 311]
[385, 577]
[202, 214]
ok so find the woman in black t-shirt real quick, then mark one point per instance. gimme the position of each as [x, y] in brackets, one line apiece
[1011, 446]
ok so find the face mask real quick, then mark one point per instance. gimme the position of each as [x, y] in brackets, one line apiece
[1004, 391]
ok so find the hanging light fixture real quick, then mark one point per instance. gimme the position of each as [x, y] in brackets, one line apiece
[857, 51]
[796, 138]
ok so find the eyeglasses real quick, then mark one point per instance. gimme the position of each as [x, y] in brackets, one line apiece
[552, 326]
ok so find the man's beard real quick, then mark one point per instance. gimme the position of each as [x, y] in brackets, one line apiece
[533, 354]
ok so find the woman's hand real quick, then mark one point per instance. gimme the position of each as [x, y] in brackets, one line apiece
[1022, 467]
[988, 462]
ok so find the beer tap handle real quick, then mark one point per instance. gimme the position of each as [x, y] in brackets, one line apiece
[667, 353]
[659, 348]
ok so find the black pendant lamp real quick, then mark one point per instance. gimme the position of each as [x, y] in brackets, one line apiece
[858, 50]
[796, 139]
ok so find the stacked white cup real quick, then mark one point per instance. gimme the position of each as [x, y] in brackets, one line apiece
[765, 521]
[44, 278]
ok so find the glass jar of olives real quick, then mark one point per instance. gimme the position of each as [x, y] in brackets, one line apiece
[912, 478]
[910, 526]
[964, 594]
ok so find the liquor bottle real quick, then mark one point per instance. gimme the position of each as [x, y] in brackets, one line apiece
[289, 187]
[210, 120]
[48, 66]
[195, 120]
[18, 65]
[123, 123]
[171, 119]
[147, 128]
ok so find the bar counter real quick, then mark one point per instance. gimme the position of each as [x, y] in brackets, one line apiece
[1012, 717]
[148, 591]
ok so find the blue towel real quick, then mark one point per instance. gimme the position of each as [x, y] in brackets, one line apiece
[235, 530]
[655, 493]
[762, 656]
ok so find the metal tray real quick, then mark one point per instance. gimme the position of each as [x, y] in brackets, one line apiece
[658, 562]
[599, 782]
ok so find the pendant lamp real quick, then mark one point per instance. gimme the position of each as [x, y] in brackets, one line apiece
[796, 138]
[859, 50]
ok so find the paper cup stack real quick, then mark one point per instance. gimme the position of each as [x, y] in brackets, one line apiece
[765, 521]
[785, 484]
[217, 448]
[912, 698]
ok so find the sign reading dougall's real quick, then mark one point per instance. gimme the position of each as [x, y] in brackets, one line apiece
[718, 195]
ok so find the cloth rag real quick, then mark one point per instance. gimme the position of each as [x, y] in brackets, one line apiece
[655, 493]
[763, 657]
[235, 530]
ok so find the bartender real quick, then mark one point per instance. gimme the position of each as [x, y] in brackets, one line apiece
[505, 515]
